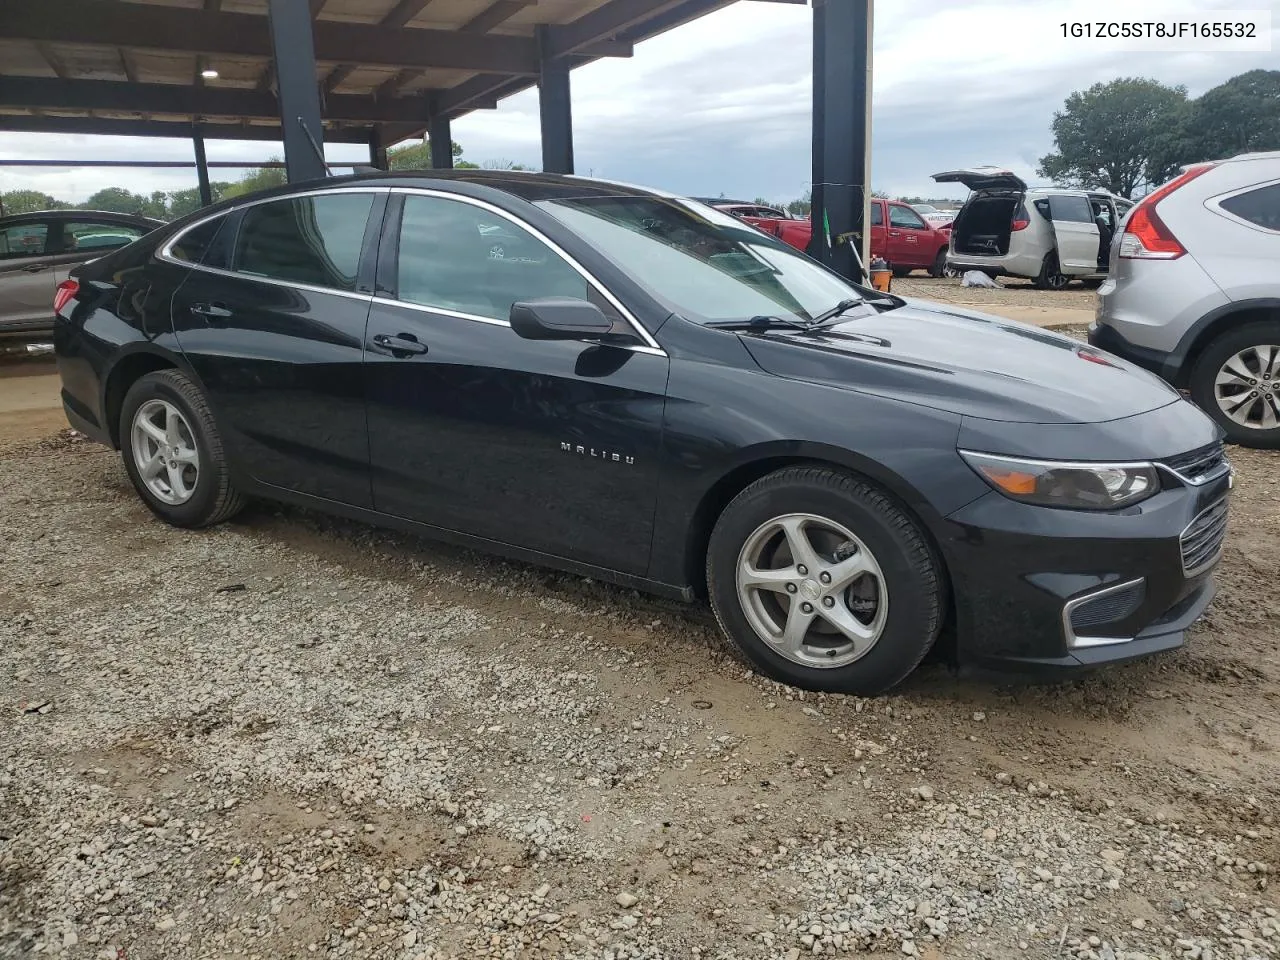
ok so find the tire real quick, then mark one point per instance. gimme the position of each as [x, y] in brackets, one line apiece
[196, 478]
[1051, 276]
[1246, 349]
[939, 266]
[901, 272]
[898, 601]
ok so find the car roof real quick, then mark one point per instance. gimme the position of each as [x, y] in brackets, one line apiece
[121, 218]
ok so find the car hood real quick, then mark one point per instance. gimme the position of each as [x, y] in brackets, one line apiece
[966, 363]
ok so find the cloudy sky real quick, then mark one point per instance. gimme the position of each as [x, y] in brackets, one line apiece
[722, 105]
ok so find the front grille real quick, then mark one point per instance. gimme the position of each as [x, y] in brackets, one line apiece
[1106, 608]
[1201, 542]
[1200, 464]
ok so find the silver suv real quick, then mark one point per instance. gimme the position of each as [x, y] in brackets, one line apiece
[1194, 292]
[1050, 235]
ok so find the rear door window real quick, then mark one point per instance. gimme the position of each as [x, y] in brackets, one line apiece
[1069, 209]
[97, 236]
[310, 240]
[1260, 206]
[202, 244]
[877, 215]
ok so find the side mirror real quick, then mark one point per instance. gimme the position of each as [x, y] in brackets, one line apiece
[559, 318]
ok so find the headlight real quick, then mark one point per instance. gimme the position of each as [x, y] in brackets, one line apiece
[1076, 486]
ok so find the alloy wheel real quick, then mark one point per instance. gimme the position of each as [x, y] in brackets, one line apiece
[1247, 387]
[164, 451]
[812, 590]
[1057, 281]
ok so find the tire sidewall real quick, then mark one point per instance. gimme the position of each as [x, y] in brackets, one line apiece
[911, 625]
[161, 386]
[1205, 373]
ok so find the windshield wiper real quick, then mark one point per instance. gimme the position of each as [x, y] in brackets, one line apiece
[759, 323]
[835, 311]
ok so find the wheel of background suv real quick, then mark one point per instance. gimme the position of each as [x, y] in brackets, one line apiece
[901, 271]
[823, 582]
[1051, 276]
[1237, 382]
[173, 453]
[939, 266]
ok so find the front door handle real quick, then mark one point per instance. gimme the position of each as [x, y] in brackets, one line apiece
[401, 345]
[211, 311]
[35, 267]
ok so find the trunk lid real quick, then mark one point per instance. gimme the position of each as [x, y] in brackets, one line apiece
[983, 178]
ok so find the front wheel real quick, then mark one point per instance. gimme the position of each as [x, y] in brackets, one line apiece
[1237, 382]
[173, 452]
[939, 266]
[823, 582]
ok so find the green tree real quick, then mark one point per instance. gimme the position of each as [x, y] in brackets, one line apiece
[183, 202]
[801, 206]
[417, 156]
[1239, 116]
[264, 178]
[1118, 136]
[119, 200]
[28, 201]
[504, 165]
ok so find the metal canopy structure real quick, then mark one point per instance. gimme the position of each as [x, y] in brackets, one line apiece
[379, 72]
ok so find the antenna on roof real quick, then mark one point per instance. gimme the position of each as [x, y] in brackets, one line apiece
[315, 146]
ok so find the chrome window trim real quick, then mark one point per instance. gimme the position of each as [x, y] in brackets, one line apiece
[1083, 643]
[494, 322]
[650, 344]
[166, 252]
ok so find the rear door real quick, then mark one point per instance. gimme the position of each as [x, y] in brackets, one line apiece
[27, 276]
[1075, 233]
[273, 320]
[879, 231]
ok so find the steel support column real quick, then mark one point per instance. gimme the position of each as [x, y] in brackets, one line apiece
[440, 137]
[842, 32]
[377, 150]
[555, 110]
[202, 166]
[293, 48]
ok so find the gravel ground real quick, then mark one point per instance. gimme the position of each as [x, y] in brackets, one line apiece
[1013, 291]
[291, 736]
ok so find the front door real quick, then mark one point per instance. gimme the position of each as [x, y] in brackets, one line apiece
[276, 334]
[1075, 233]
[909, 237]
[548, 445]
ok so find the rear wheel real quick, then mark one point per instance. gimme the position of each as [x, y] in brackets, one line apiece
[901, 271]
[173, 452]
[1051, 276]
[823, 582]
[1237, 382]
[939, 266]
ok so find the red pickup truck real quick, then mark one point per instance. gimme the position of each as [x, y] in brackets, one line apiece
[908, 243]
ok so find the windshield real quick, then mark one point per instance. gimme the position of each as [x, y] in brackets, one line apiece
[703, 264]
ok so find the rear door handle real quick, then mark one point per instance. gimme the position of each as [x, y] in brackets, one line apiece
[401, 345]
[213, 311]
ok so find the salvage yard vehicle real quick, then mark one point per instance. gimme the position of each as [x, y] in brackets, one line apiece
[1050, 235]
[1194, 292]
[38, 250]
[899, 235]
[655, 394]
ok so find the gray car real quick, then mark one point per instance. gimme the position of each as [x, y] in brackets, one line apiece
[1194, 292]
[38, 250]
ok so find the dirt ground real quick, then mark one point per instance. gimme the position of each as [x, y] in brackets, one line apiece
[291, 736]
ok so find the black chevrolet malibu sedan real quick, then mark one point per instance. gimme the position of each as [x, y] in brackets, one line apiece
[633, 386]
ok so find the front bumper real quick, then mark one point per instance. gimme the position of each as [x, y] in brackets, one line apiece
[1021, 572]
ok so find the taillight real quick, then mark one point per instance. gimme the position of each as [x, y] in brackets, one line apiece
[65, 293]
[1146, 237]
[1019, 224]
